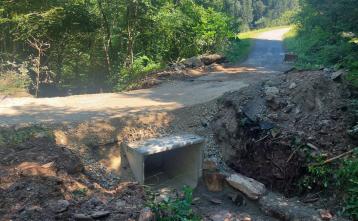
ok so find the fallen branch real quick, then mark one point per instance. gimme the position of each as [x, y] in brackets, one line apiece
[333, 158]
[312, 146]
[291, 155]
[261, 139]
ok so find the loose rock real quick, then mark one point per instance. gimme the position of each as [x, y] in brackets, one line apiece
[271, 91]
[146, 215]
[59, 206]
[100, 214]
[325, 214]
[82, 217]
[292, 85]
[335, 76]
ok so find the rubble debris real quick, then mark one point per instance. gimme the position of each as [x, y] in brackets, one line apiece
[82, 217]
[335, 76]
[282, 208]
[43, 181]
[250, 187]
[271, 91]
[100, 214]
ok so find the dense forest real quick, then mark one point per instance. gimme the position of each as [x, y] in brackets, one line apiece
[93, 44]
[325, 35]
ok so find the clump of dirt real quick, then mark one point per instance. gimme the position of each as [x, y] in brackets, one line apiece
[265, 131]
[40, 180]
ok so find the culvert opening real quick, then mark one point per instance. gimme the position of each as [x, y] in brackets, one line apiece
[171, 161]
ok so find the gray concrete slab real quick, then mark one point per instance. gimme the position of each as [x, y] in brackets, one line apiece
[172, 160]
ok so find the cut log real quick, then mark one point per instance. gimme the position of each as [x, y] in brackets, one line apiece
[214, 181]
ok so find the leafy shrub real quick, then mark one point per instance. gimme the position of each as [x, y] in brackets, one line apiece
[130, 76]
[348, 178]
[341, 175]
[318, 49]
[175, 209]
[238, 49]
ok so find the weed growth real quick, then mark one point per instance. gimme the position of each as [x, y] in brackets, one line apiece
[341, 175]
[14, 137]
[175, 208]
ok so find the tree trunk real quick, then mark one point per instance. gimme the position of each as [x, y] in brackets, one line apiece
[38, 70]
[107, 43]
[131, 19]
[130, 47]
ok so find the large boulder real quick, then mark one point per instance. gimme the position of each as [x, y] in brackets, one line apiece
[250, 187]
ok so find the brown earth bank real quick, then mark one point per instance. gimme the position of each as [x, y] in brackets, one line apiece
[79, 170]
[273, 131]
[43, 181]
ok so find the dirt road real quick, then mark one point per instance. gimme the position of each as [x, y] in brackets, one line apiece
[265, 59]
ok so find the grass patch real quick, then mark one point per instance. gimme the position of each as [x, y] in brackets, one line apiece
[9, 137]
[12, 83]
[318, 49]
[240, 47]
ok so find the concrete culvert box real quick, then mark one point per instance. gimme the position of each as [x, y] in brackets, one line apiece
[168, 161]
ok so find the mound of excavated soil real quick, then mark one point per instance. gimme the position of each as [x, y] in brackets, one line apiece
[42, 181]
[266, 131]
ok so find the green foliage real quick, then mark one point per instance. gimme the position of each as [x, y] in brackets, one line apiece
[128, 77]
[325, 35]
[175, 209]
[91, 40]
[342, 176]
[318, 176]
[238, 49]
[317, 49]
[22, 135]
[348, 178]
[81, 192]
[286, 18]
